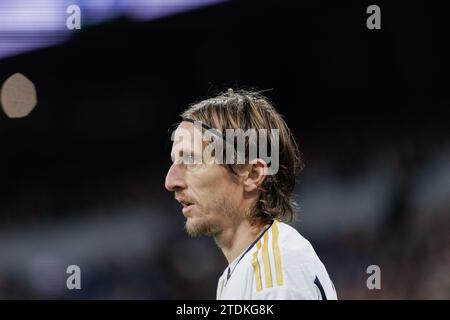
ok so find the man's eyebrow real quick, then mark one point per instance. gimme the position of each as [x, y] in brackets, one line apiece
[175, 142]
[183, 150]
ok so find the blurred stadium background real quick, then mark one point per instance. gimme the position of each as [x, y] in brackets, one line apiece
[83, 175]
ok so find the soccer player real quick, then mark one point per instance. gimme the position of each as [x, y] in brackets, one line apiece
[244, 205]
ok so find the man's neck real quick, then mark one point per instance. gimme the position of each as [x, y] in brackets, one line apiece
[236, 237]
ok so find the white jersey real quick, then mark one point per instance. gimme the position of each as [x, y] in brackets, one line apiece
[280, 264]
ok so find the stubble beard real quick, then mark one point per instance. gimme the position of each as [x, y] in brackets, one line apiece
[212, 226]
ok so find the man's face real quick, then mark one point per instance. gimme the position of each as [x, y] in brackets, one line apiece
[210, 198]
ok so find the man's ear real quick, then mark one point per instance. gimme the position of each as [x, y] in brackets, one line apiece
[257, 170]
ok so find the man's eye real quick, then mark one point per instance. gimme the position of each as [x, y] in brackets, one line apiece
[193, 160]
[189, 159]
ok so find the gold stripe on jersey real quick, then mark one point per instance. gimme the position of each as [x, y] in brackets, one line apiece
[265, 255]
[256, 268]
[276, 253]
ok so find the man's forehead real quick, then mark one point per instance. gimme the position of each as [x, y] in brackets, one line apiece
[185, 125]
[185, 133]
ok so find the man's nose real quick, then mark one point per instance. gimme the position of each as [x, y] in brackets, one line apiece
[174, 178]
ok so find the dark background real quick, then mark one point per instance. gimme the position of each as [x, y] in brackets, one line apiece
[83, 175]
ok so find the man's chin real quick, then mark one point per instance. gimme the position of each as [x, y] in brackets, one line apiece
[200, 228]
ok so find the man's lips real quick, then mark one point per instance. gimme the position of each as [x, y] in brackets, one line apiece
[187, 204]
[187, 208]
[184, 202]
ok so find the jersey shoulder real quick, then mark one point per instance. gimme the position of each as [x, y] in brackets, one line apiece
[285, 265]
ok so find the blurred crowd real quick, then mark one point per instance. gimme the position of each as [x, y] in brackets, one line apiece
[129, 241]
[83, 174]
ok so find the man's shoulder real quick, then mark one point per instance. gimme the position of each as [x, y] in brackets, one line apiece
[291, 242]
[282, 239]
[297, 254]
[283, 265]
[281, 250]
